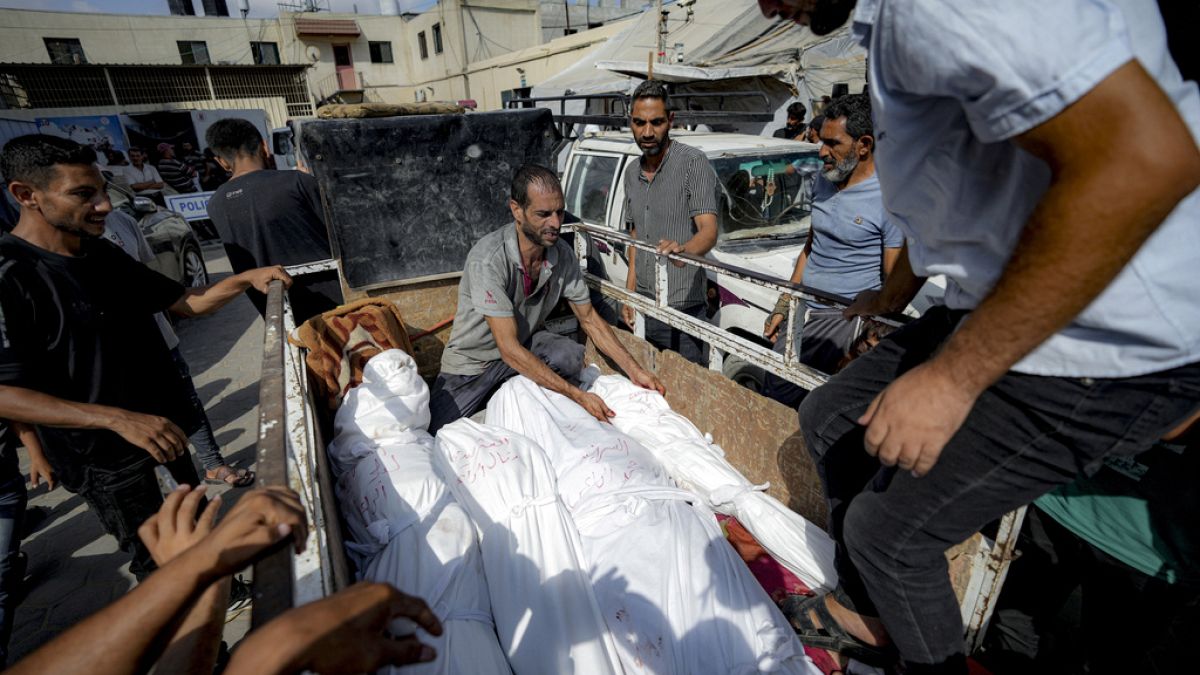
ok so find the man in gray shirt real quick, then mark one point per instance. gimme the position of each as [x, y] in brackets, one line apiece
[512, 280]
[670, 197]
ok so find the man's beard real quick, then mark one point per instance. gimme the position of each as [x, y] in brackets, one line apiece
[657, 149]
[77, 231]
[535, 235]
[830, 15]
[841, 170]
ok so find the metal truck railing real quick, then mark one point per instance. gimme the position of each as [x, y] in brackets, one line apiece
[294, 454]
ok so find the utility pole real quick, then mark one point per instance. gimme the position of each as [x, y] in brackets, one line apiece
[661, 47]
[567, 9]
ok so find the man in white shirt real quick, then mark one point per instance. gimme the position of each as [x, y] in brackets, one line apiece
[142, 177]
[1071, 331]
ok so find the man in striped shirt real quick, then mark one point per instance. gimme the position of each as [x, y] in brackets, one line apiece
[671, 202]
[176, 174]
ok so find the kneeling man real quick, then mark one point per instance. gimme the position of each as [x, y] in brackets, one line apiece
[513, 278]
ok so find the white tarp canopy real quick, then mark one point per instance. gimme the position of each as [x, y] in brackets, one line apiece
[724, 44]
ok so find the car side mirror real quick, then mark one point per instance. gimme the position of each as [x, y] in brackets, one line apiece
[144, 205]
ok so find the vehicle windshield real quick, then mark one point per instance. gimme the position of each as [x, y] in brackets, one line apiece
[765, 196]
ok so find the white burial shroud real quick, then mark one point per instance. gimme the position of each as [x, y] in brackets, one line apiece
[542, 600]
[698, 464]
[404, 525]
[674, 593]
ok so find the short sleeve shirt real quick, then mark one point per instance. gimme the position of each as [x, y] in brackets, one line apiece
[82, 329]
[685, 186]
[850, 229]
[493, 284]
[951, 85]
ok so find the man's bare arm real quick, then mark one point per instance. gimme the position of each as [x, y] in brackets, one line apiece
[900, 286]
[1090, 222]
[520, 359]
[700, 243]
[890, 257]
[148, 185]
[156, 435]
[608, 344]
[198, 301]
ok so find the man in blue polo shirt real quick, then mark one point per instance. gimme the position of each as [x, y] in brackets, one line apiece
[1071, 331]
[851, 245]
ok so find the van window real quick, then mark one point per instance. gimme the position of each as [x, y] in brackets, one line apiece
[588, 186]
[765, 196]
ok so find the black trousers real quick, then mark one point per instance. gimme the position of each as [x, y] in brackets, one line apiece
[1025, 436]
[1132, 623]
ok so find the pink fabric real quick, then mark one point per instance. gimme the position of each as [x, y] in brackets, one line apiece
[778, 581]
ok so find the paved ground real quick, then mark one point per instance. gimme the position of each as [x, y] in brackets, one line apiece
[75, 567]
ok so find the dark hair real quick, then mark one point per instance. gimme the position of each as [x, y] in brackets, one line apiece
[797, 110]
[137, 149]
[115, 156]
[32, 158]
[234, 136]
[856, 108]
[651, 89]
[816, 123]
[529, 174]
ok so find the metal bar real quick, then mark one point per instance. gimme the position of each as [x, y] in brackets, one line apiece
[988, 572]
[719, 338]
[311, 268]
[781, 285]
[272, 589]
[789, 344]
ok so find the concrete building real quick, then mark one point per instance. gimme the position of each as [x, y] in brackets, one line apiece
[93, 63]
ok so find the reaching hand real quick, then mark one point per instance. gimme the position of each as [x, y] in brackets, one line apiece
[260, 519]
[910, 422]
[867, 303]
[629, 316]
[343, 633]
[594, 405]
[39, 470]
[175, 529]
[156, 435]
[647, 380]
[262, 277]
[771, 327]
[670, 246]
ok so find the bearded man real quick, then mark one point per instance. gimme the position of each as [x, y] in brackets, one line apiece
[513, 278]
[851, 245]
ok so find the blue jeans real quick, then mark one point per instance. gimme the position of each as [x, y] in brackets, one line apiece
[1024, 436]
[13, 498]
[202, 439]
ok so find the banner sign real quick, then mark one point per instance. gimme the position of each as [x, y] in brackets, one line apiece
[192, 206]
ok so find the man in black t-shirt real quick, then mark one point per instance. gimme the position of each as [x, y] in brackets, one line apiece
[269, 217]
[80, 354]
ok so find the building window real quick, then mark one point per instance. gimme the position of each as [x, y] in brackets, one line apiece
[381, 52]
[65, 51]
[265, 53]
[193, 53]
[422, 46]
[437, 38]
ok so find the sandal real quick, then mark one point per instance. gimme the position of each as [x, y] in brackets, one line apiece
[227, 475]
[799, 611]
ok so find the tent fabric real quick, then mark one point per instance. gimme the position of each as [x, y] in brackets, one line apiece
[725, 39]
[542, 600]
[700, 465]
[675, 595]
[404, 526]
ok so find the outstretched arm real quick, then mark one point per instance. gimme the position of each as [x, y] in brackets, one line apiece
[1090, 222]
[520, 359]
[198, 301]
[602, 334]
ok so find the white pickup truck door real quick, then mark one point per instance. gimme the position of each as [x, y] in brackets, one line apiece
[595, 194]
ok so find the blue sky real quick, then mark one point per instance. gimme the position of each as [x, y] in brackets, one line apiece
[258, 8]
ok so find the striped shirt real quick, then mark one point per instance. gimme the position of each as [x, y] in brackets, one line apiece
[176, 174]
[684, 187]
